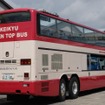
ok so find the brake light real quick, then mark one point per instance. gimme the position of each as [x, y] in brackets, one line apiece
[25, 61]
[26, 76]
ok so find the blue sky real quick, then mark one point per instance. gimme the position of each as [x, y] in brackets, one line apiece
[87, 12]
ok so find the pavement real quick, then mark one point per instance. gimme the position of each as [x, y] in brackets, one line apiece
[94, 97]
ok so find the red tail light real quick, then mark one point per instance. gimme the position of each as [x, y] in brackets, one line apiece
[25, 61]
[26, 76]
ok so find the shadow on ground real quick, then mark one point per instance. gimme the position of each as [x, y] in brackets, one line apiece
[46, 100]
[89, 92]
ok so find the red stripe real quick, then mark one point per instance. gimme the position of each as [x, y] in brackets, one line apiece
[92, 82]
[48, 87]
[66, 42]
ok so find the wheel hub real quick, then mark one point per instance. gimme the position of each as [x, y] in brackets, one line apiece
[75, 88]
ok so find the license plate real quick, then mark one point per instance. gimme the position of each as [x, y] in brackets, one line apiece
[7, 77]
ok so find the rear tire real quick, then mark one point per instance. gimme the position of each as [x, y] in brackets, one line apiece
[73, 88]
[62, 90]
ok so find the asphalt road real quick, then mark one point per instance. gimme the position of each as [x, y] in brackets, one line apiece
[94, 97]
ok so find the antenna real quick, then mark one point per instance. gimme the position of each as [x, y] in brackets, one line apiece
[44, 11]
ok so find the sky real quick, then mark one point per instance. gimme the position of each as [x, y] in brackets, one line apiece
[87, 12]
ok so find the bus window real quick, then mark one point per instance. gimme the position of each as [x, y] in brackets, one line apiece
[89, 36]
[64, 29]
[100, 39]
[102, 63]
[56, 28]
[15, 17]
[78, 33]
[95, 65]
[96, 62]
[47, 26]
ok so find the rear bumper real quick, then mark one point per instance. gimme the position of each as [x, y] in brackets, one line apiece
[39, 88]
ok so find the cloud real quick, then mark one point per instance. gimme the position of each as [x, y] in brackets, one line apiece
[88, 12]
[11, 3]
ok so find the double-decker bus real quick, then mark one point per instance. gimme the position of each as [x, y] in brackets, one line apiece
[42, 54]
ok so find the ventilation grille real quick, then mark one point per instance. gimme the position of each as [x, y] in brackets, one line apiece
[45, 59]
[45, 86]
[56, 61]
[44, 77]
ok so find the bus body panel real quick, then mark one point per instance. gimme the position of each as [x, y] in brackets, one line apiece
[41, 75]
[11, 68]
[35, 88]
[88, 79]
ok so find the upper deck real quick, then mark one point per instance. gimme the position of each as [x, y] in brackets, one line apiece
[30, 24]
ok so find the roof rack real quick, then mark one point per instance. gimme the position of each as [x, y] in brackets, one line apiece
[44, 11]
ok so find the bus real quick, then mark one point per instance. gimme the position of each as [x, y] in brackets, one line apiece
[42, 54]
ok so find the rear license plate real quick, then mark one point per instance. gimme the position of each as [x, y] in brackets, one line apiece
[7, 77]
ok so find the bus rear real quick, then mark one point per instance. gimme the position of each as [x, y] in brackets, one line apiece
[17, 30]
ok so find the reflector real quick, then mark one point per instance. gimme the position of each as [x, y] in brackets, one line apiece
[25, 62]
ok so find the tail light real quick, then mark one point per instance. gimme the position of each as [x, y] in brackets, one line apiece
[25, 61]
[26, 75]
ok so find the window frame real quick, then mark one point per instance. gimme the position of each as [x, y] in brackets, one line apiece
[70, 24]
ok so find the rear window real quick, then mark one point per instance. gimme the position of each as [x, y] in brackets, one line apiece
[15, 17]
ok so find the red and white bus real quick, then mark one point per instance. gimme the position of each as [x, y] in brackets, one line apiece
[42, 54]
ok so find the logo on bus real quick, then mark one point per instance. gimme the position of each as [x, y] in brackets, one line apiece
[12, 32]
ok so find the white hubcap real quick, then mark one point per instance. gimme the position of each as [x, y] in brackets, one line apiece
[63, 89]
[75, 88]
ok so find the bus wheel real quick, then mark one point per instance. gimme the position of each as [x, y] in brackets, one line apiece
[62, 90]
[73, 88]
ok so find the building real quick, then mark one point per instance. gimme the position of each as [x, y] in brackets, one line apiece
[4, 5]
